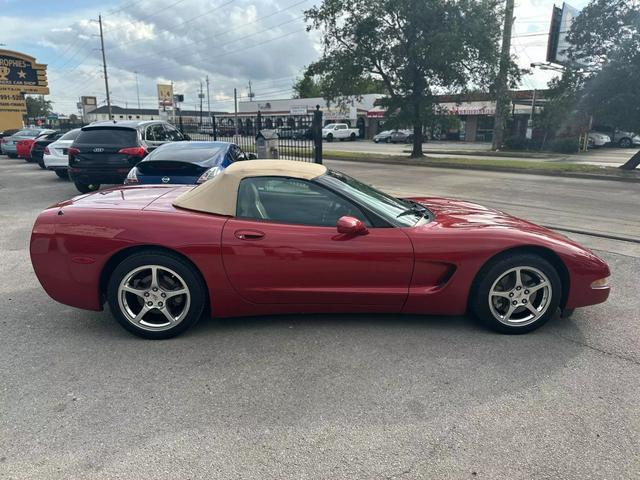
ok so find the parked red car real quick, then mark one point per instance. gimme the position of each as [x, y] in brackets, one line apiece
[23, 148]
[274, 237]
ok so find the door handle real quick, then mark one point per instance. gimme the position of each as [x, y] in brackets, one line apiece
[249, 234]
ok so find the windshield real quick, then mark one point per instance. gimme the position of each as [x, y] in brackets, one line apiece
[392, 209]
[71, 135]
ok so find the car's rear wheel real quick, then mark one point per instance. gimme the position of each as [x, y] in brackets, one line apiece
[516, 294]
[352, 137]
[42, 165]
[156, 295]
[63, 174]
[86, 187]
[12, 155]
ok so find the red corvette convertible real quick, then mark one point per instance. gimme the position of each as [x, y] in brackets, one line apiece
[268, 236]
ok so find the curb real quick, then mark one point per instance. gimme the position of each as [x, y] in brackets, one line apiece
[490, 153]
[489, 168]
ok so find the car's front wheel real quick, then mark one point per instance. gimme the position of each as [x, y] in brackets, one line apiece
[516, 294]
[156, 294]
[87, 187]
[625, 142]
[330, 137]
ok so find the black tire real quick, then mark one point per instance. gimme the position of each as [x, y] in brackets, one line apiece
[387, 140]
[330, 137]
[42, 165]
[186, 273]
[625, 143]
[86, 187]
[483, 308]
[12, 155]
[63, 174]
[352, 137]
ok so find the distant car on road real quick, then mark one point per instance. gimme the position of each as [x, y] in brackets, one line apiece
[401, 136]
[185, 163]
[339, 131]
[56, 154]
[9, 144]
[597, 139]
[105, 152]
[383, 137]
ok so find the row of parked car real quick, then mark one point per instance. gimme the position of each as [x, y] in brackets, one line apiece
[130, 152]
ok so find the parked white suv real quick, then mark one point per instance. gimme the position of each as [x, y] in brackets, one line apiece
[340, 131]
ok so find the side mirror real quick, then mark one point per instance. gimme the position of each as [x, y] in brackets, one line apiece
[252, 156]
[351, 226]
[186, 137]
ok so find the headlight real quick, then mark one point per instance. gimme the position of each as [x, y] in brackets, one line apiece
[132, 177]
[208, 175]
[600, 283]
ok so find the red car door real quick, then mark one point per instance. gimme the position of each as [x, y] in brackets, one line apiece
[298, 264]
[283, 247]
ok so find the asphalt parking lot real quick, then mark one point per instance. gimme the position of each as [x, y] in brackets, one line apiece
[321, 396]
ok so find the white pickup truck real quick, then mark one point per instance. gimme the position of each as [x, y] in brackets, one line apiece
[340, 131]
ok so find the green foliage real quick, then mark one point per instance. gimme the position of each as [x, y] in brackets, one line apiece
[38, 107]
[565, 145]
[415, 48]
[307, 87]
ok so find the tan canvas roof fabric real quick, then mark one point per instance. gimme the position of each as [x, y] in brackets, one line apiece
[219, 194]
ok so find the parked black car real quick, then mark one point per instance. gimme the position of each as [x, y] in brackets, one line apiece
[41, 142]
[104, 152]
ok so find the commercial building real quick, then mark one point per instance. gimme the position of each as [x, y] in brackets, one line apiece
[118, 113]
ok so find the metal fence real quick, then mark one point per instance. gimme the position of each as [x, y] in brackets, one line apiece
[299, 136]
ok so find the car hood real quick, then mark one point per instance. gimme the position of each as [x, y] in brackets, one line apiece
[451, 213]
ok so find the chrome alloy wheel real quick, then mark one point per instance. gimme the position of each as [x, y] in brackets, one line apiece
[153, 297]
[520, 296]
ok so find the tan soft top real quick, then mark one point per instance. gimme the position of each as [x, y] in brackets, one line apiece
[219, 194]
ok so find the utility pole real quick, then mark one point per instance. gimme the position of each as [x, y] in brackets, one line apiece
[208, 99]
[235, 109]
[173, 103]
[104, 65]
[201, 97]
[502, 82]
[137, 90]
[251, 94]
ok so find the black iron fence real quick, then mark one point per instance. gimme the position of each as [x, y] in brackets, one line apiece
[299, 136]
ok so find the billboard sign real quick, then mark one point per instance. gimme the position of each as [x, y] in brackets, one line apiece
[561, 21]
[165, 95]
[21, 73]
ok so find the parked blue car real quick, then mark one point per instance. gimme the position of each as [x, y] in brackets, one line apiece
[185, 163]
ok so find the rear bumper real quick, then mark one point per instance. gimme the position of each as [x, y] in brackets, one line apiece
[157, 180]
[52, 161]
[91, 176]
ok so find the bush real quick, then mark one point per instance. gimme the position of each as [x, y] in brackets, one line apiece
[517, 143]
[565, 145]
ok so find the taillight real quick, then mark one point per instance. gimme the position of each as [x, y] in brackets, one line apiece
[73, 151]
[132, 177]
[46, 151]
[208, 175]
[133, 151]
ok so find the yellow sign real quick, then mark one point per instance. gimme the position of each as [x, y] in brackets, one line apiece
[165, 95]
[21, 73]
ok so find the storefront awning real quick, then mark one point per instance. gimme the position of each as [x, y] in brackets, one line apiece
[376, 112]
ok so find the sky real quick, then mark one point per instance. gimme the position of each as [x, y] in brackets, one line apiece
[230, 41]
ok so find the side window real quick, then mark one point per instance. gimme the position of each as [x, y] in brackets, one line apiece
[173, 133]
[293, 201]
[342, 127]
[156, 133]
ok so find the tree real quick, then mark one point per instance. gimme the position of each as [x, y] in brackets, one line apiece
[38, 107]
[605, 44]
[415, 48]
[307, 86]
